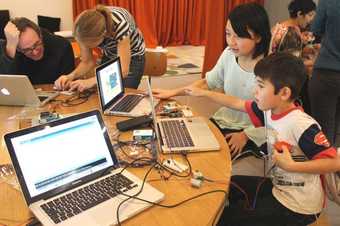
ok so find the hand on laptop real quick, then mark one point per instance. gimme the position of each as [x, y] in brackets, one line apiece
[82, 84]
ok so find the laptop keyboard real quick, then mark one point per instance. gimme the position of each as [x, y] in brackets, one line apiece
[176, 134]
[84, 198]
[127, 103]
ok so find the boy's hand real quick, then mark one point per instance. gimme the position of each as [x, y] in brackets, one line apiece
[282, 158]
[236, 142]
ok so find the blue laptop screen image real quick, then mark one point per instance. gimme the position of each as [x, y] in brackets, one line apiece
[63, 154]
[110, 82]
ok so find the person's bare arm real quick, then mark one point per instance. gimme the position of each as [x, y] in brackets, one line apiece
[12, 39]
[318, 166]
[124, 52]
[167, 93]
[87, 63]
[221, 98]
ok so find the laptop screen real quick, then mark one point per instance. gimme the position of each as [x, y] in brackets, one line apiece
[109, 81]
[62, 154]
[154, 119]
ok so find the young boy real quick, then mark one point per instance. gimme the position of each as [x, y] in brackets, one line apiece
[291, 193]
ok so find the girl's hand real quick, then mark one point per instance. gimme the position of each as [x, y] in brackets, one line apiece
[63, 82]
[163, 93]
[194, 91]
[236, 142]
[82, 85]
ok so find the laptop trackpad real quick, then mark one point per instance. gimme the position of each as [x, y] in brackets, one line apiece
[105, 213]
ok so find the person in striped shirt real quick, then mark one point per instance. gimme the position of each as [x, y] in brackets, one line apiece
[114, 31]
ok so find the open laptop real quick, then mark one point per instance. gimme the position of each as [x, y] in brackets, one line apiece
[113, 99]
[183, 134]
[17, 90]
[68, 172]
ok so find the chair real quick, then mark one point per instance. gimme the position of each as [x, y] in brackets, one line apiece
[155, 62]
[52, 24]
[4, 18]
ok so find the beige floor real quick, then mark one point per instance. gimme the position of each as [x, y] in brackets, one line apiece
[206, 108]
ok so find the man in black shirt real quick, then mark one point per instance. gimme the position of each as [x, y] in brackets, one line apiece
[40, 55]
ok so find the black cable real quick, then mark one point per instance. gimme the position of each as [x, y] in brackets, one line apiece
[121, 144]
[137, 193]
[78, 99]
[158, 204]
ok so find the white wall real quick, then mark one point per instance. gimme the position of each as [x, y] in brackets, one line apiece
[31, 8]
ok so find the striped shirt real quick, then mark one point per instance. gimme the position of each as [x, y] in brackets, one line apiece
[123, 26]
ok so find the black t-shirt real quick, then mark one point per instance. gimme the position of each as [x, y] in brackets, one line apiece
[58, 59]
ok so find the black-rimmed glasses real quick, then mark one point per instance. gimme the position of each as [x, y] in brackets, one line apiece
[31, 49]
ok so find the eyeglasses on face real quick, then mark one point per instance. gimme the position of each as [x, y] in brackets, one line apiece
[31, 49]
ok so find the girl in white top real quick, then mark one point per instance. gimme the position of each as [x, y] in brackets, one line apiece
[248, 41]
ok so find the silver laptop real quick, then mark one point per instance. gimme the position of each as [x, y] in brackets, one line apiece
[69, 174]
[183, 134]
[113, 99]
[17, 90]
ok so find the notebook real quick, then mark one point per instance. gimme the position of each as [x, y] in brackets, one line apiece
[68, 171]
[113, 99]
[183, 134]
[17, 90]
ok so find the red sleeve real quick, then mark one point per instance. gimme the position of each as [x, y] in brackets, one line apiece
[327, 153]
[255, 114]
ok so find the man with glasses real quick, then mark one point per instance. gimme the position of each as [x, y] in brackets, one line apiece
[34, 52]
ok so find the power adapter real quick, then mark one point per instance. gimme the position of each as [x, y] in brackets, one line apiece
[134, 123]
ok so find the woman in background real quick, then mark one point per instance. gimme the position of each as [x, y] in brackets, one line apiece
[290, 36]
[301, 14]
[114, 31]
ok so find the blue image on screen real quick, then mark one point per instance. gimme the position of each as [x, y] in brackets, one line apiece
[113, 80]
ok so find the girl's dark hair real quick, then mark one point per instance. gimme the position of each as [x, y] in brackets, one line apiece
[22, 23]
[283, 69]
[305, 6]
[252, 16]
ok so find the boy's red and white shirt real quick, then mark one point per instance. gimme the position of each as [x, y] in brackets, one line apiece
[299, 192]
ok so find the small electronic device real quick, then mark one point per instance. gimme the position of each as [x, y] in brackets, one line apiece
[174, 165]
[48, 117]
[133, 123]
[170, 107]
[142, 134]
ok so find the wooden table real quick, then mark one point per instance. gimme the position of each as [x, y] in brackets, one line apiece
[201, 211]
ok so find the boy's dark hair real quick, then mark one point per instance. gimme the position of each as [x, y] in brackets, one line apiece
[291, 42]
[252, 16]
[305, 6]
[282, 70]
[22, 23]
